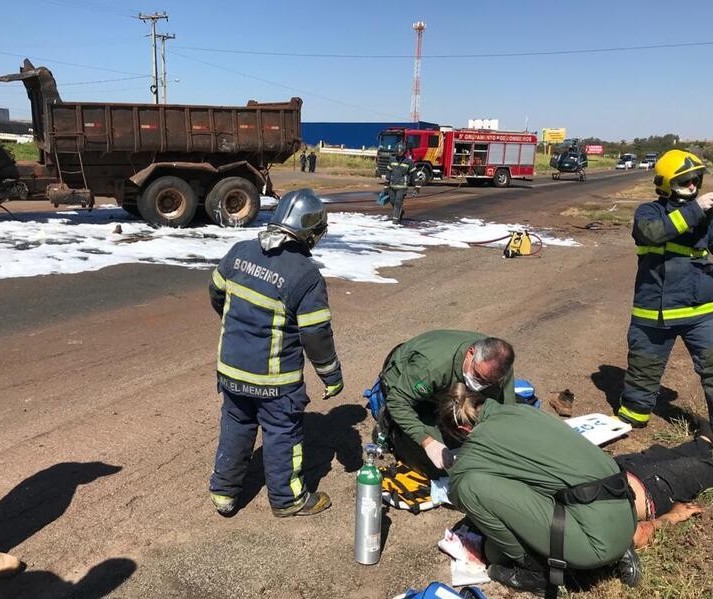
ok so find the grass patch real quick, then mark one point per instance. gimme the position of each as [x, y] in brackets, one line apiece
[610, 213]
[21, 151]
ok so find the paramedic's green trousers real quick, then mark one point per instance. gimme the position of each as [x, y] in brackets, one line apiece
[594, 535]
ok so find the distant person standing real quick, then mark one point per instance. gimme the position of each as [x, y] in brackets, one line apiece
[399, 173]
[303, 161]
[312, 159]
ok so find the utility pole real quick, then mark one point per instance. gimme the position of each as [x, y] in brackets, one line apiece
[157, 16]
[163, 37]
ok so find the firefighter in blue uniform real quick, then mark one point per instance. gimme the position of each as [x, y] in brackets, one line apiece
[673, 294]
[399, 175]
[274, 308]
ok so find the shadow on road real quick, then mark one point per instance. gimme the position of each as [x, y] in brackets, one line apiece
[43, 497]
[38, 501]
[610, 380]
[98, 582]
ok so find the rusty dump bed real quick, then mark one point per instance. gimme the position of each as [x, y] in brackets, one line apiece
[269, 132]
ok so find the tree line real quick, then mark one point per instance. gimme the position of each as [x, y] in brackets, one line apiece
[653, 143]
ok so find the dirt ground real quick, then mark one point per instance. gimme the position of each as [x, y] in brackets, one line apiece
[109, 420]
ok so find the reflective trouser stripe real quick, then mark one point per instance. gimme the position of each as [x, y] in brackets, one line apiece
[296, 476]
[635, 416]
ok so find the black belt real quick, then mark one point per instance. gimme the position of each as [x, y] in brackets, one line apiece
[615, 486]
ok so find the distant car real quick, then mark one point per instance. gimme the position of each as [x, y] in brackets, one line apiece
[647, 163]
[626, 161]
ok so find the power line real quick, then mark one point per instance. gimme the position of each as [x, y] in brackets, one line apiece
[450, 56]
[287, 87]
[71, 64]
[93, 7]
[105, 80]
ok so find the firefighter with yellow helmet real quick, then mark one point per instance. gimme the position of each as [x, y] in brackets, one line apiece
[673, 293]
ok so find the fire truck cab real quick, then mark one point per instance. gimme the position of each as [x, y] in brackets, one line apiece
[470, 154]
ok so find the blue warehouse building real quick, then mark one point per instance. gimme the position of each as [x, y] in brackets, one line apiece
[352, 135]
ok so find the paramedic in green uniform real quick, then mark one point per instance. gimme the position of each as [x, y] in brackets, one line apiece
[418, 374]
[504, 479]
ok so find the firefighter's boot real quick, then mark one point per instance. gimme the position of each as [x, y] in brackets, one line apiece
[562, 403]
[225, 505]
[314, 504]
[632, 417]
[9, 565]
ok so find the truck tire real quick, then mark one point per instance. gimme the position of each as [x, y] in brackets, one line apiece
[232, 202]
[502, 178]
[423, 174]
[168, 201]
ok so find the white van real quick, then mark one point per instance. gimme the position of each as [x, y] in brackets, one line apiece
[626, 161]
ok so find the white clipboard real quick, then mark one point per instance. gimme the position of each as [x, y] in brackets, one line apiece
[599, 428]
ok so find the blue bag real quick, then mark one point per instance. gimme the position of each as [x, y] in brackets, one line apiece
[438, 590]
[375, 399]
[525, 393]
[383, 198]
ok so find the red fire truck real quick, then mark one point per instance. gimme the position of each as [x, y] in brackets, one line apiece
[471, 154]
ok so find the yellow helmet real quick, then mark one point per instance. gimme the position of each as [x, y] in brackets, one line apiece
[679, 175]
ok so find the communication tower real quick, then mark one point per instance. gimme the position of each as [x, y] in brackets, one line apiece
[418, 27]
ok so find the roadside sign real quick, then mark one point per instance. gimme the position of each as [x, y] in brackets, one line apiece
[554, 136]
[595, 150]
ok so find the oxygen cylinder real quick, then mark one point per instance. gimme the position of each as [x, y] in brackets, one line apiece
[367, 529]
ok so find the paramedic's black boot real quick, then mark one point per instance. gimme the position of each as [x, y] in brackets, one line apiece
[628, 568]
[528, 575]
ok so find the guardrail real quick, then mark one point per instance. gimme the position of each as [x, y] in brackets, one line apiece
[347, 151]
[20, 139]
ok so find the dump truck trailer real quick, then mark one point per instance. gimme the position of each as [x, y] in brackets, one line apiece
[163, 162]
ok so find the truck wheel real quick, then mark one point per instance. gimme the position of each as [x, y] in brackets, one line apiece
[501, 178]
[168, 201]
[233, 202]
[423, 175]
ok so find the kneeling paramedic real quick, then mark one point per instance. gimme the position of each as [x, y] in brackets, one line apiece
[273, 303]
[673, 292]
[415, 380]
[544, 497]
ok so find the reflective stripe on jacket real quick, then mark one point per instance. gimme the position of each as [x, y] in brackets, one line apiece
[674, 281]
[398, 172]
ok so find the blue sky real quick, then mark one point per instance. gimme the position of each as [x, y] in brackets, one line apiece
[353, 61]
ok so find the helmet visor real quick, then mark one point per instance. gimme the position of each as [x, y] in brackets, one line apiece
[687, 185]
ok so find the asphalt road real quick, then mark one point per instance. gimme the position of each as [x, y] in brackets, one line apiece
[31, 302]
